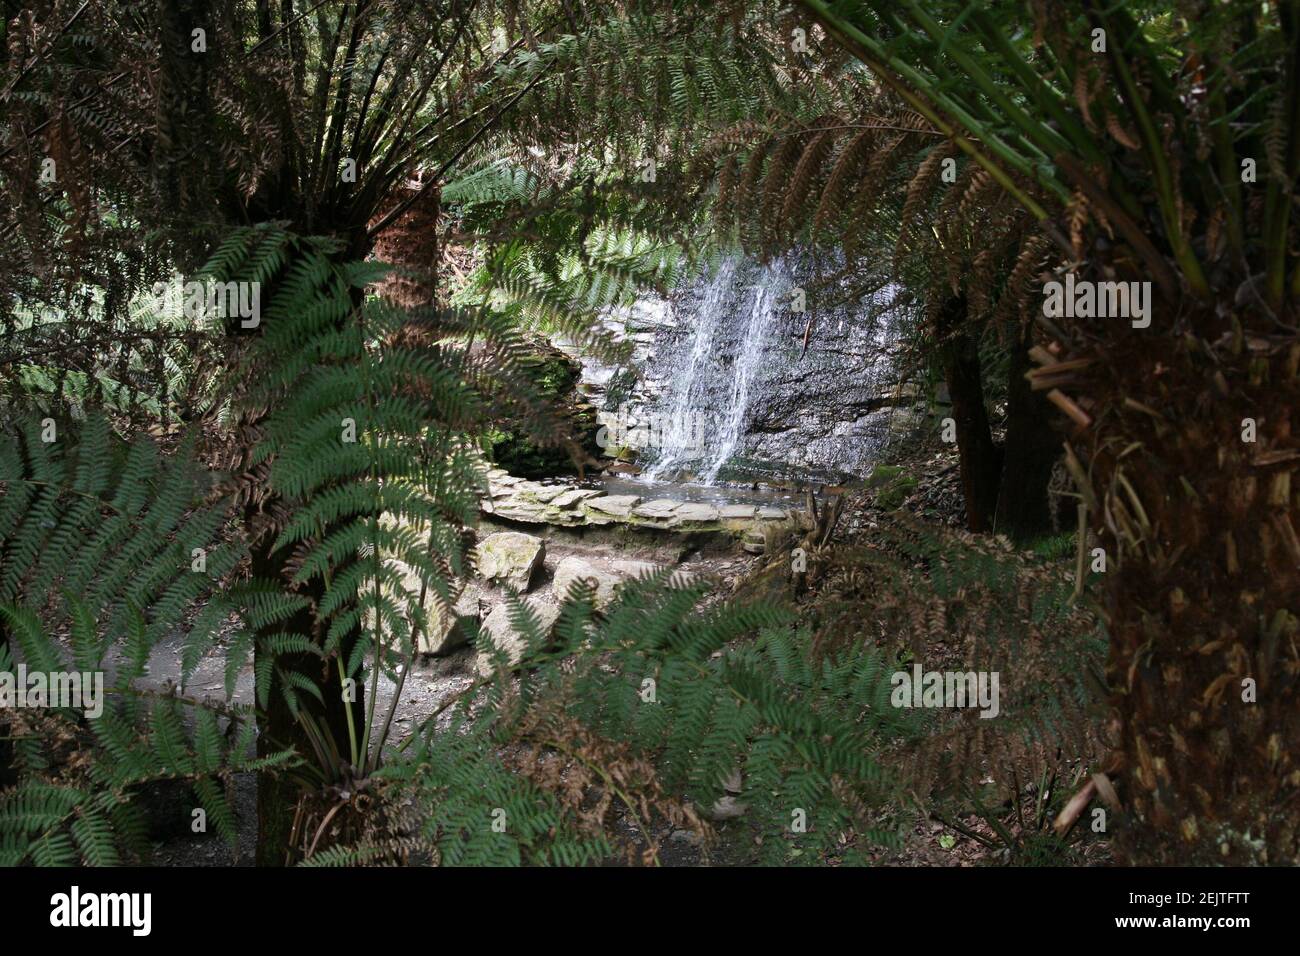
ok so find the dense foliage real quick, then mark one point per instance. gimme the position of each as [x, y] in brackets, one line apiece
[414, 191]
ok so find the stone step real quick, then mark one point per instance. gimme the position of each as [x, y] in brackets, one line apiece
[754, 541]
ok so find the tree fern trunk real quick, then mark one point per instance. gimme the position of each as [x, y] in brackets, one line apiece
[980, 458]
[1203, 587]
[278, 729]
[1031, 449]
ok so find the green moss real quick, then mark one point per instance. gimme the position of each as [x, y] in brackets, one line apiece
[891, 484]
[521, 457]
[883, 475]
[554, 375]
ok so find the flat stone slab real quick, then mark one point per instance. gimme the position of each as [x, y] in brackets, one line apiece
[737, 517]
[737, 511]
[545, 494]
[659, 508]
[569, 506]
[697, 511]
[618, 506]
[572, 496]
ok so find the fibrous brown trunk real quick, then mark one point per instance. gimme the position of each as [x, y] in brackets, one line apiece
[981, 463]
[1203, 591]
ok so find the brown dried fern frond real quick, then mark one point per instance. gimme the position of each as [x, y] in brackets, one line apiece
[777, 179]
[956, 601]
[808, 170]
[847, 172]
[919, 190]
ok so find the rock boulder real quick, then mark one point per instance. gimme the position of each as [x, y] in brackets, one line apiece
[498, 632]
[511, 557]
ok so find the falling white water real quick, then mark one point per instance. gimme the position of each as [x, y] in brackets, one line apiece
[681, 432]
[765, 301]
[708, 396]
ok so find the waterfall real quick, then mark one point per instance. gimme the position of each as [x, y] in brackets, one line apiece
[765, 300]
[680, 434]
[732, 382]
[703, 414]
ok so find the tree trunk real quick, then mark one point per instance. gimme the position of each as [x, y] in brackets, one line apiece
[1203, 594]
[981, 463]
[1028, 455]
[278, 729]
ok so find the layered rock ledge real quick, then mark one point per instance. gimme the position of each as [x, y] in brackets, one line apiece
[568, 506]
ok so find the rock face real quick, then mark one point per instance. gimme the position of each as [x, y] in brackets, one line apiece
[511, 557]
[729, 359]
[445, 632]
[497, 632]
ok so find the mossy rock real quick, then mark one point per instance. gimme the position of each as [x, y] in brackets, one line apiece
[891, 484]
[555, 376]
[883, 474]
